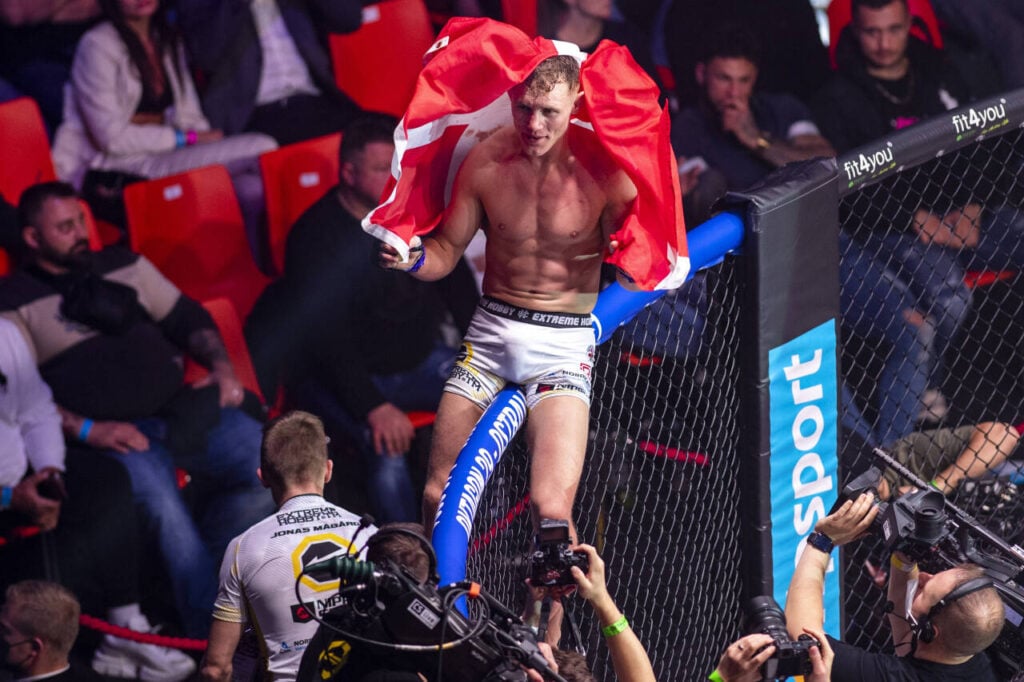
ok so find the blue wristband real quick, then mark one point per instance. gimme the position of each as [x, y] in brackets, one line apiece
[179, 138]
[83, 432]
[6, 494]
[419, 261]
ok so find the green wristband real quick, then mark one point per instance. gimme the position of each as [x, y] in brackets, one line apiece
[615, 628]
[716, 677]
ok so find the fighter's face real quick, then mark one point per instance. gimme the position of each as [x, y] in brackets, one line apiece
[541, 118]
[60, 236]
[728, 82]
[883, 34]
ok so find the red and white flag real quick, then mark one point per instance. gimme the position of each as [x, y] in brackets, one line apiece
[462, 96]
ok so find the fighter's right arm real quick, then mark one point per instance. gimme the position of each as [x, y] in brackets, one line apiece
[446, 244]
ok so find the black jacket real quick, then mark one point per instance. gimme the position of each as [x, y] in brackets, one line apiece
[851, 110]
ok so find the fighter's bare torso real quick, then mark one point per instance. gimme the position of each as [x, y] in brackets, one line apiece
[547, 220]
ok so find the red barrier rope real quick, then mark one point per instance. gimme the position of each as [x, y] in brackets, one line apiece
[106, 628]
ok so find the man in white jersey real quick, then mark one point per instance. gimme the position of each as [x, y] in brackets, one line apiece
[262, 565]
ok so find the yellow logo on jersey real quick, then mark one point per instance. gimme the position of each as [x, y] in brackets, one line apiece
[313, 549]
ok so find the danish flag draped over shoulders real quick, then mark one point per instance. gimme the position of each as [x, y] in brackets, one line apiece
[462, 96]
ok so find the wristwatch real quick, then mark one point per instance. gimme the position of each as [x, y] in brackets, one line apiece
[821, 542]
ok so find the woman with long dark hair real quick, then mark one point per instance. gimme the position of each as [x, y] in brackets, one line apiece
[131, 106]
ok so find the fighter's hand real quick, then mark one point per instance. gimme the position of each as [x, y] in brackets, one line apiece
[742, 661]
[26, 499]
[391, 429]
[121, 437]
[389, 258]
[821, 657]
[850, 521]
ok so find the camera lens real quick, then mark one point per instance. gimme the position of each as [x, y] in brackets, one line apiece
[930, 516]
[764, 615]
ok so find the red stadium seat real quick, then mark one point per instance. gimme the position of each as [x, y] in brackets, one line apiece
[294, 177]
[377, 65]
[926, 25]
[226, 317]
[24, 148]
[521, 14]
[190, 226]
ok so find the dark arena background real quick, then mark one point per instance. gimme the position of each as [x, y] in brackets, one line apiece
[700, 482]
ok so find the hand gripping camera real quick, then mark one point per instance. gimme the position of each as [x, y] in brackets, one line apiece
[791, 657]
[551, 561]
[913, 523]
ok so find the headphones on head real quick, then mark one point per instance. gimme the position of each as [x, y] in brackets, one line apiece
[433, 577]
[925, 627]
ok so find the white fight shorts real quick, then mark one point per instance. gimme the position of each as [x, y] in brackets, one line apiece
[548, 354]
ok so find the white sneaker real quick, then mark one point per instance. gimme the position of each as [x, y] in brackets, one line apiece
[933, 407]
[117, 657]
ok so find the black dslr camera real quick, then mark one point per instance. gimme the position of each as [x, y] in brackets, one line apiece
[552, 559]
[791, 657]
[913, 523]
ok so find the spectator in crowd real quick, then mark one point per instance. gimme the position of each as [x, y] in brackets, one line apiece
[886, 81]
[939, 633]
[549, 288]
[37, 45]
[587, 22]
[266, 64]
[946, 457]
[39, 625]
[94, 530]
[886, 78]
[262, 565]
[880, 310]
[358, 345]
[742, 660]
[131, 107]
[629, 659]
[108, 331]
[794, 59]
[740, 133]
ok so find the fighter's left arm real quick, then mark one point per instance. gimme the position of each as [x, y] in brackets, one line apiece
[621, 193]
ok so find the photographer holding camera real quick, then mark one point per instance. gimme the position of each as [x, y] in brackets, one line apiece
[941, 624]
[629, 658]
[744, 659]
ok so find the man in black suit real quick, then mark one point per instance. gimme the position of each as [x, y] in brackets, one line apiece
[266, 66]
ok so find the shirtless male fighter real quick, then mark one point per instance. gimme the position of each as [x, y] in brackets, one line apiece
[548, 200]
